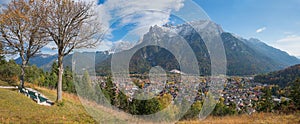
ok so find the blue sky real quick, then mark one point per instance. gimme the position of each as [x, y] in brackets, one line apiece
[275, 22]
[279, 18]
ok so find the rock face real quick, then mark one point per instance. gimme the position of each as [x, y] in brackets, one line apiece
[244, 57]
[275, 54]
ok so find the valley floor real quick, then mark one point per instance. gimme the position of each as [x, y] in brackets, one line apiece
[17, 108]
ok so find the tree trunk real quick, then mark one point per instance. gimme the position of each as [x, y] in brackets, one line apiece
[60, 74]
[22, 78]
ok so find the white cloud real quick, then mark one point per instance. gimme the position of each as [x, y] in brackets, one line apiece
[290, 44]
[290, 38]
[142, 13]
[261, 30]
[104, 45]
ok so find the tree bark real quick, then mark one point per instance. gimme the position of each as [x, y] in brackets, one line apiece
[71, 26]
[60, 74]
[22, 77]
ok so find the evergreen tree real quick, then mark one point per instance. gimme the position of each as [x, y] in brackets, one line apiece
[109, 90]
[267, 103]
[51, 77]
[194, 111]
[34, 74]
[68, 81]
[9, 72]
[295, 93]
[86, 87]
[150, 106]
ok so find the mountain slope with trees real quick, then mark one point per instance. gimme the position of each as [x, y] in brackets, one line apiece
[243, 56]
[281, 78]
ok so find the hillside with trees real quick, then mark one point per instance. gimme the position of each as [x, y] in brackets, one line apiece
[281, 78]
[27, 26]
[85, 96]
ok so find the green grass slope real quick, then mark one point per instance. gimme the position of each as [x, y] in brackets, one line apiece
[17, 108]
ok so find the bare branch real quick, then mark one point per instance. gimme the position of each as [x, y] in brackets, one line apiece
[20, 29]
[71, 25]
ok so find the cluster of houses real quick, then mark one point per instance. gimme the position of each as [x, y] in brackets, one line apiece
[243, 93]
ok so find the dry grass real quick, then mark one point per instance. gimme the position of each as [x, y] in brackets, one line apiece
[257, 118]
[2, 83]
[17, 108]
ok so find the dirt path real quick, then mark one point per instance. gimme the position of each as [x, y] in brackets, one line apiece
[8, 87]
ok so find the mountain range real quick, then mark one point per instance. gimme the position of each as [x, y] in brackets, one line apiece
[45, 61]
[244, 56]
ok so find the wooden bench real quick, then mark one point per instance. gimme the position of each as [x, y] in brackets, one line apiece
[36, 96]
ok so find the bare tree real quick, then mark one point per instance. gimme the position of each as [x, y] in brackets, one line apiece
[20, 30]
[71, 25]
[1, 51]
